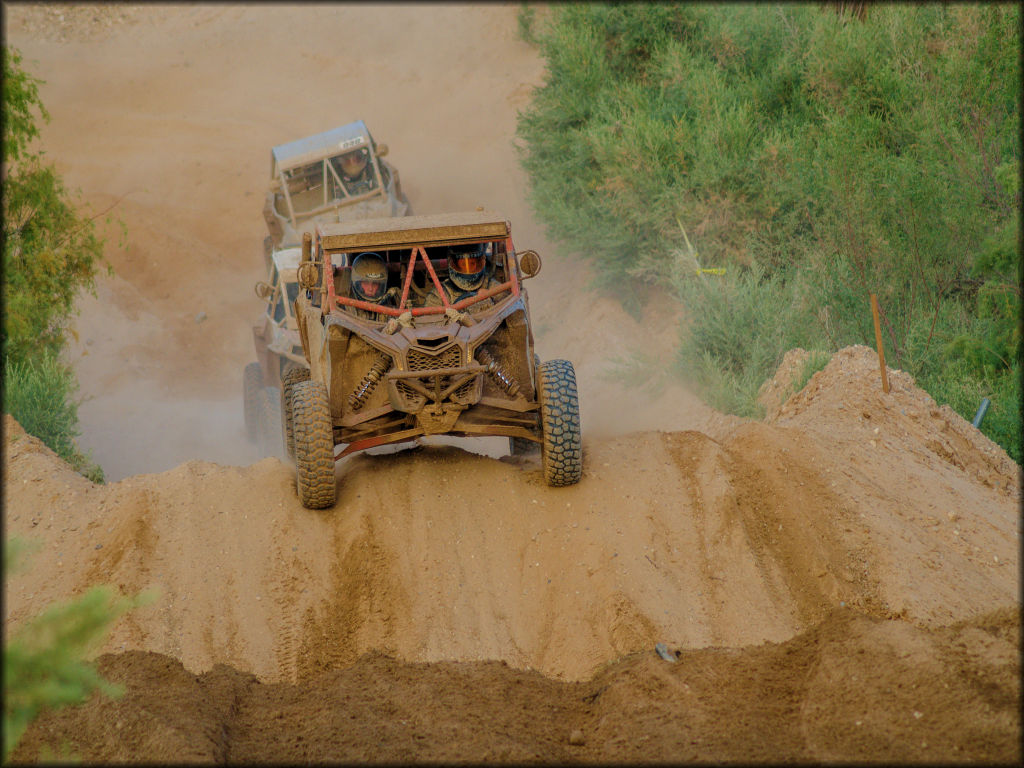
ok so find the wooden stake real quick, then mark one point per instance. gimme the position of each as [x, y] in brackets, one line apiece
[878, 342]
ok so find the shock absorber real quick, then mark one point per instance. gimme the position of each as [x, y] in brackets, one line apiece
[500, 375]
[358, 398]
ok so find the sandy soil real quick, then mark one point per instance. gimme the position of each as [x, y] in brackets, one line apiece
[839, 582]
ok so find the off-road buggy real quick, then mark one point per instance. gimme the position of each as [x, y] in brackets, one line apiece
[308, 184]
[388, 374]
[278, 351]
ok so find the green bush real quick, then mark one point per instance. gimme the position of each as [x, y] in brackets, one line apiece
[40, 394]
[44, 659]
[816, 361]
[50, 254]
[994, 342]
[822, 158]
[50, 251]
[960, 386]
[738, 327]
[525, 18]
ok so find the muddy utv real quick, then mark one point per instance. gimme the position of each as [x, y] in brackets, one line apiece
[337, 175]
[278, 353]
[426, 364]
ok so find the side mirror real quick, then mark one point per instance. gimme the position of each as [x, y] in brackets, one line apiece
[307, 275]
[529, 263]
[382, 149]
[263, 290]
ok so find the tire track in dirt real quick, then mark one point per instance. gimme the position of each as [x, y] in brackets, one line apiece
[127, 561]
[798, 529]
[360, 610]
[286, 584]
[688, 449]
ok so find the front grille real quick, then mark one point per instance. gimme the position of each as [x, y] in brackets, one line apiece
[464, 394]
[420, 360]
[423, 361]
[414, 399]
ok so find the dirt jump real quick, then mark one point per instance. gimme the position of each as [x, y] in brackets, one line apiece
[838, 582]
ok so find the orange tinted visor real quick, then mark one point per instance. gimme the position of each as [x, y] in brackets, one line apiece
[469, 264]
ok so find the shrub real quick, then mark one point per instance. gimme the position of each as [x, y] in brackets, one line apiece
[50, 253]
[44, 659]
[836, 155]
[816, 361]
[525, 19]
[40, 394]
[960, 386]
[739, 326]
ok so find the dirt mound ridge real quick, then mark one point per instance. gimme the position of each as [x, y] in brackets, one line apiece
[437, 554]
[846, 397]
[849, 689]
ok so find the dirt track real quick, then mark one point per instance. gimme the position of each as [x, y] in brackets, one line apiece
[810, 570]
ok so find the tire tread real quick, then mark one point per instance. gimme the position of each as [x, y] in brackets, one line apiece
[291, 377]
[562, 444]
[314, 445]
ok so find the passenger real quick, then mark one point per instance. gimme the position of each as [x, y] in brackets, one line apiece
[356, 172]
[469, 272]
[369, 283]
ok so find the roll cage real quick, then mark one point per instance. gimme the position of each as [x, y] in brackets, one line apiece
[304, 173]
[408, 257]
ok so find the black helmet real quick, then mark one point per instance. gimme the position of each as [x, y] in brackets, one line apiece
[466, 265]
[369, 277]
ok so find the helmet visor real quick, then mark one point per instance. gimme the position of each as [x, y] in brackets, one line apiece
[468, 264]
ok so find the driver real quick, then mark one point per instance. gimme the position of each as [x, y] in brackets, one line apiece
[369, 283]
[469, 272]
[355, 171]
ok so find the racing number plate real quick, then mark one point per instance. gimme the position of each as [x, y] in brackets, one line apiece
[348, 143]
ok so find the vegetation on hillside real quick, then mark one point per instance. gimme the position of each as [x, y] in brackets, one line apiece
[817, 157]
[51, 252]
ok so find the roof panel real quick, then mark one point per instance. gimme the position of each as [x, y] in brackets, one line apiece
[311, 148]
[402, 231]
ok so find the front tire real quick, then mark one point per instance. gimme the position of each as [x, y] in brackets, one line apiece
[561, 449]
[291, 377]
[252, 387]
[314, 445]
